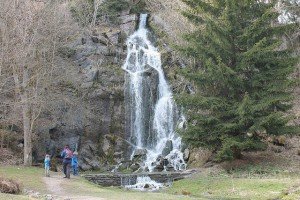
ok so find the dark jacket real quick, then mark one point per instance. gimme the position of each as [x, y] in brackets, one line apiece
[65, 158]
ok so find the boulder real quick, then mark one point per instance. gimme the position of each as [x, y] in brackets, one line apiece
[113, 36]
[280, 140]
[149, 71]
[159, 168]
[92, 76]
[127, 18]
[83, 166]
[99, 94]
[118, 154]
[168, 148]
[84, 51]
[128, 23]
[139, 155]
[140, 152]
[199, 156]
[126, 163]
[85, 63]
[170, 168]
[134, 167]
[100, 39]
[106, 145]
[186, 154]
[102, 50]
[95, 164]
[88, 156]
[118, 157]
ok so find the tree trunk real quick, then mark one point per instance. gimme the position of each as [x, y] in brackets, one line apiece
[27, 132]
[2, 140]
[26, 120]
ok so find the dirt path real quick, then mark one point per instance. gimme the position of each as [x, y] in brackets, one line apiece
[56, 187]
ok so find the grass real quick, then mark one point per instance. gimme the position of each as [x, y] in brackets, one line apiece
[252, 182]
[13, 197]
[259, 184]
[114, 193]
[30, 177]
[226, 188]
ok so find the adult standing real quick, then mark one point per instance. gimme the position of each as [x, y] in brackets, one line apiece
[67, 154]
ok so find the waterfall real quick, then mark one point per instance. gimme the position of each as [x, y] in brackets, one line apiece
[153, 113]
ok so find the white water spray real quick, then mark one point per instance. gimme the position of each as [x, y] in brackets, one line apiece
[145, 183]
[155, 132]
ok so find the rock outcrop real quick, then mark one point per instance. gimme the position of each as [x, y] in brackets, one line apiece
[90, 115]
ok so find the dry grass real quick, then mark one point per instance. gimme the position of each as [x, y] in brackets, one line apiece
[9, 186]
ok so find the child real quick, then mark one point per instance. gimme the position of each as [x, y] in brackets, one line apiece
[47, 165]
[75, 163]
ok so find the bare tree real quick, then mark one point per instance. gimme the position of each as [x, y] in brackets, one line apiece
[30, 34]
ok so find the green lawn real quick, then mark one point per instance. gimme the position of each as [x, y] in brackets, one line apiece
[201, 186]
[226, 187]
[115, 193]
[13, 197]
[29, 177]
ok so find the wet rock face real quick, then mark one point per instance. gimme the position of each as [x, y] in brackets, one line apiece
[168, 148]
[139, 156]
[149, 95]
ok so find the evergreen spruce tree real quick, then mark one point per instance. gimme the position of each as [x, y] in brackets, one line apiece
[241, 75]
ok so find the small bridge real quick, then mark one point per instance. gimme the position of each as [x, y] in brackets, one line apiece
[118, 179]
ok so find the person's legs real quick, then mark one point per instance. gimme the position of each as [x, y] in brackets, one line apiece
[68, 170]
[65, 168]
[75, 170]
[48, 171]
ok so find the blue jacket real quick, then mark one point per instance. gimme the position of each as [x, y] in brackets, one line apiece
[47, 162]
[74, 161]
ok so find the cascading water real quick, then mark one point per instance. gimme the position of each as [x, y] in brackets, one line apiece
[153, 112]
[145, 183]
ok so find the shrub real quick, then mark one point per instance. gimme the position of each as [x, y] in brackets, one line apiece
[82, 11]
[9, 186]
[111, 9]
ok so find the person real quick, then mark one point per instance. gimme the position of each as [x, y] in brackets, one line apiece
[75, 163]
[47, 165]
[67, 154]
